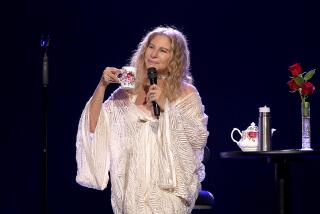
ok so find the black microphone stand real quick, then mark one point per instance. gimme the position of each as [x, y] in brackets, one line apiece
[45, 73]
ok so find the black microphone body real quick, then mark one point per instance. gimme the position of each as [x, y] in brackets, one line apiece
[152, 75]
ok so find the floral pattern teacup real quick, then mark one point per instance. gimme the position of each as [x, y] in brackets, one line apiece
[127, 78]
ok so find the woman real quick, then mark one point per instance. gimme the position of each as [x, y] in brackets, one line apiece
[154, 164]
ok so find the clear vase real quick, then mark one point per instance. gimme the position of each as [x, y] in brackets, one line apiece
[305, 126]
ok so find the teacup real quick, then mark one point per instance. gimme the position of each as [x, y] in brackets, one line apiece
[127, 77]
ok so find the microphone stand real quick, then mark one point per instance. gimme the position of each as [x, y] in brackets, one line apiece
[45, 83]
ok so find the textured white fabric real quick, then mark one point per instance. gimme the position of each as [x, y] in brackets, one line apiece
[154, 165]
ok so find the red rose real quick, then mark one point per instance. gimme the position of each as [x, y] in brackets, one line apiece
[293, 85]
[252, 134]
[307, 88]
[295, 69]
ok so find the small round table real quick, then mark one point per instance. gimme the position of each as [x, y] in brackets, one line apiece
[280, 159]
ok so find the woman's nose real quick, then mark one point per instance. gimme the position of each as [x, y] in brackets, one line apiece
[154, 53]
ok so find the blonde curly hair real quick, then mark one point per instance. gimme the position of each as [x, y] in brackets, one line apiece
[179, 64]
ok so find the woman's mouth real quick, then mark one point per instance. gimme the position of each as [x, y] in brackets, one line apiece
[152, 62]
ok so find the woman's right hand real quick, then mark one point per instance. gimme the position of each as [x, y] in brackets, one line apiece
[110, 75]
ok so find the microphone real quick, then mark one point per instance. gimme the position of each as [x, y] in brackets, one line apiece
[152, 75]
[45, 73]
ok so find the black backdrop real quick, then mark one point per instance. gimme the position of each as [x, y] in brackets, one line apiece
[240, 53]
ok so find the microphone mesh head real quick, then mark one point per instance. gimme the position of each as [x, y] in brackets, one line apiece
[152, 73]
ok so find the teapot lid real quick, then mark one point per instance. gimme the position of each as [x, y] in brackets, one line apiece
[252, 127]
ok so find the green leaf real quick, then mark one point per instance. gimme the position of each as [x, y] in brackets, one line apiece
[309, 75]
[299, 80]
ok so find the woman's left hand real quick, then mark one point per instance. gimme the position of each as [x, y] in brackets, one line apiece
[155, 94]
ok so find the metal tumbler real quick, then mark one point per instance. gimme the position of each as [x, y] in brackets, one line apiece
[264, 138]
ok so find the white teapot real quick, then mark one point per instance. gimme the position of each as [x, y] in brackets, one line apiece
[249, 138]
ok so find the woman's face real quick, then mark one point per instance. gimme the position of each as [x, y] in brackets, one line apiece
[158, 53]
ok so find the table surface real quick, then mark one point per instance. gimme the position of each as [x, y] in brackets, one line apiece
[291, 153]
[279, 158]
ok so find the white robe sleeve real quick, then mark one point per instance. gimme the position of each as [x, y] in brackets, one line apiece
[185, 127]
[92, 152]
[190, 114]
[190, 121]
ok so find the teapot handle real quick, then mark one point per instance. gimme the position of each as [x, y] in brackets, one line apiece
[233, 130]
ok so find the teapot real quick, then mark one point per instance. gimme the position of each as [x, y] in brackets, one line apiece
[249, 138]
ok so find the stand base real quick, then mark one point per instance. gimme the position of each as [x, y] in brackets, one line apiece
[306, 149]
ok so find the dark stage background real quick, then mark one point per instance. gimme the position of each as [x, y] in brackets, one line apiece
[240, 53]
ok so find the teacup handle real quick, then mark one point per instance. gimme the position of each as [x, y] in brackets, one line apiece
[233, 130]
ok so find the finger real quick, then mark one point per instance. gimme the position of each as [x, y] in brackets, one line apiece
[113, 77]
[154, 87]
[110, 78]
[110, 75]
[107, 79]
[152, 90]
[149, 97]
[150, 94]
[116, 71]
[111, 70]
[108, 70]
[154, 97]
[115, 74]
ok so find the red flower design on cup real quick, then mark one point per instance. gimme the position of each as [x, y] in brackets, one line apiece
[252, 134]
[127, 78]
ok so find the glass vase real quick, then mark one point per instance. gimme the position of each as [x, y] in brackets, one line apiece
[305, 126]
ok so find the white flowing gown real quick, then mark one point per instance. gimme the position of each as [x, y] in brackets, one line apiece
[154, 165]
